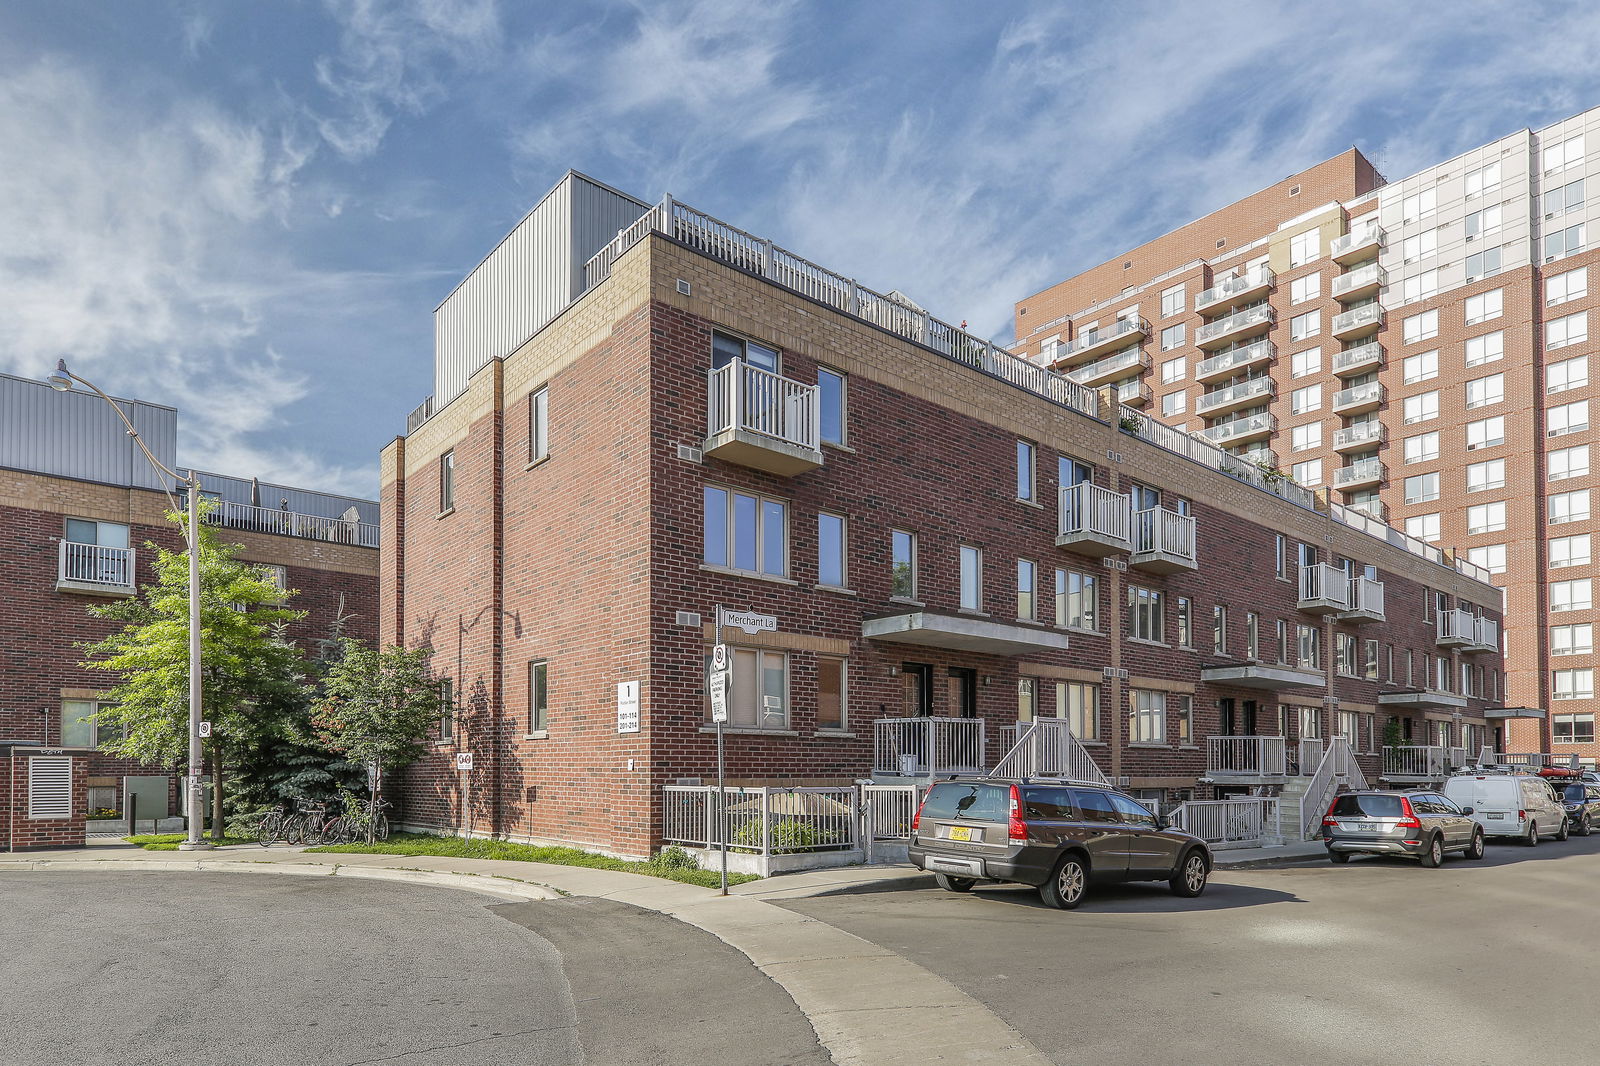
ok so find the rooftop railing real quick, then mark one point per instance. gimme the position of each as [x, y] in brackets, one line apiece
[292, 524]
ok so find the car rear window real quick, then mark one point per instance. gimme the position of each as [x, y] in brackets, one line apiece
[1349, 806]
[968, 803]
[1573, 793]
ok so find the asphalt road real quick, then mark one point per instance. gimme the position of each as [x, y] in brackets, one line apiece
[1378, 962]
[172, 969]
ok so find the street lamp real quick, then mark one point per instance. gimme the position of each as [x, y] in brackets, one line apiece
[62, 381]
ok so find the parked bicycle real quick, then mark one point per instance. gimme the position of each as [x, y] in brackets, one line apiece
[361, 817]
[309, 825]
[271, 828]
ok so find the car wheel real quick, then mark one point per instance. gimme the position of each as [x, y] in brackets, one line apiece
[1561, 834]
[1340, 857]
[955, 884]
[1067, 883]
[1584, 828]
[1532, 838]
[1475, 849]
[1434, 855]
[1190, 880]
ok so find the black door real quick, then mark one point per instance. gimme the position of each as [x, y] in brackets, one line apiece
[963, 692]
[1247, 720]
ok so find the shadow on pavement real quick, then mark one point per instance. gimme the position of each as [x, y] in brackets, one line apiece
[1131, 897]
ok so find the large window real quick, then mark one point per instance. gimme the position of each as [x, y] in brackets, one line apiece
[1419, 286]
[1572, 285]
[1079, 703]
[1569, 329]
[1568, 462]
[1421, 408]
[1572, 728]
[1077, 600]
[1486, 518]
[831, 397]
[1482, 180]
[1484, 306]
[1304, 247]
[1308, 648]
[1024, 470]
[903, 565]
[1567, 418]
[1306, 436]
[539, 425]
[1481, 392]
[1422, 488]
[447, 708]
[1344, 654]
[1306, 399]
[831, 695]
[1570, 551]
[1172, 301]
[1574, 684]
[538, 696]
[746, 532]
[1306, 325]
[1148, 723]
[1422, 448]
[1573, 595]
[1185, 615]
[832, 540]
[80, 726]
[1563, 198]
[1420, 367]
[758, 691]
[1485, 349]
[1567, 374]
[971, 578]
[1486, 433]
[1420, 327]
[1485, 476]
[1219, 630]
[1569, 507]
[1577, 639]
[447, 481]
[726, 348]
[1145, 614]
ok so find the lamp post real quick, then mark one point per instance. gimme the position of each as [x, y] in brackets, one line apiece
[62, 381]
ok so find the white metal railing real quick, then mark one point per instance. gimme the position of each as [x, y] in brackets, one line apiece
[1471, 569]
[1203, 450]
[420, 414]
[1488, 634]
[1241, 822]
[1262, 388]
[1358, 394]
[1355, 777]
[1356, 238]
[1326, 583]
[1358, 278]
[928, 747]
[1457, 625]
[745, 397]
[1357, 317]
[1222, 288]
[1122, 328]
[1308, 753]
[292, 524]
[1245, 319]
[1360, 472]
[93, 564]
[1359, 356]
[1157, 529]
[1111, 364]
[1414, 760]
[1045, 747]
[1238, 427]
[748, 252]
[1358, 518]
[1246, 757]
[1334, 769]
[1244, 355]
[1366, 595]
[1089, 508]
[762, 820]
[1134, 390]
[1528, 760]
[886, 814]
[1360, 433]
[1455, 757]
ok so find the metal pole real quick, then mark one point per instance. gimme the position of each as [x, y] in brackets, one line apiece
[196, 793]
[722, 788]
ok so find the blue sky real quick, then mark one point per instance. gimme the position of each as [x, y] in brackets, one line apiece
[250, 211]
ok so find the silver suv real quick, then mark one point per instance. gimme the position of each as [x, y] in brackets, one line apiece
[1417, 825]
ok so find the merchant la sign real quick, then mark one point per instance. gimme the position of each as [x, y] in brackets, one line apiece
[750, 621]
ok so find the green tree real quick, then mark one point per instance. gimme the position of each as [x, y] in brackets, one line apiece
[251, 675]
[376, 707]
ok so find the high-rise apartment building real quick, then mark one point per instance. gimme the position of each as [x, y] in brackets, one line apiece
[1417, 349]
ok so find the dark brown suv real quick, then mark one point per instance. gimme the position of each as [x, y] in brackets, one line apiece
[1058, 837]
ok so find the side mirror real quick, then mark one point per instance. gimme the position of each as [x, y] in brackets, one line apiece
[1161, 823]
[1466, 810]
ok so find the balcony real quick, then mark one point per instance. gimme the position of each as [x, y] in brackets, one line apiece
[1456, 628]
[1163, 541]
[1362, 243]
[1134, 393]
[1359, 283]
[1358, 399]
[1360, 475]
[1261, 455]
[1415, 763]
[963, 632]
[763, 420]
[1237, 326]
[927, 748]
[1423, 699]
[1240, 430]
[1366, 601]
[1357, 322]
[1488, 637]
[95, 570]
[1324, 589]
[1104, 371]
[1361, 435]
[1357, 360]
[228, 515]
[1227, 293]
[1246, 760]
[1090, 343]
[1274, 677]
[1257, 354]
[1094, 520]
[1251, 393]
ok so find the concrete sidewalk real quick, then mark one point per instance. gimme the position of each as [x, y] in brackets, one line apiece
[868, 1005]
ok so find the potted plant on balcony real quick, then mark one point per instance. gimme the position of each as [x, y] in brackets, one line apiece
[1130, 423]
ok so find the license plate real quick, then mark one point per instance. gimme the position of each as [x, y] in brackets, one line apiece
[1496, 816]
[960, 832]
[1368, 827]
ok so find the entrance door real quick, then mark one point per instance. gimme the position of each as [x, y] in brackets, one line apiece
[1225, 712]
[916, 683]
[963, 687]
[1247, 720]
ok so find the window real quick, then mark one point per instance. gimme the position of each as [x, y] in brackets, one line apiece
[447, 708]
[1484, 306]
[1219, 630]
[1172, 301]
[277, 576]
[1567, 418]
[1418, 204]
[1183, 720]
[1370, 661]
[1572, 728]
[1486, 518]
[80, 726]
[1306, 325]
[1572, 285]
[1077, 600]
[1308, 650]
[971, 578]
[1149, 719]
[1174, 403]
[1485, 349]
[1423, 527]
[1574, 684]
[1420, 327]
[1569, 551]
[1308, 473]
[1483, 221]
[1560, 200]
[1306, 362]
[1420, 488]
[831, 403]
[1569, 507]
[1420, 367]
[1283, 640]
[831, 544]
[1185, 611]
[1564, 242]
[1308, 721]
[1145, 614]
[1306, 399]
[1568, 462]
[746, 532]
[903, 564]
[1569, 329]
[831, 696]
[1027, 590]
[1280, 557]
[725, 348]
[1174, 370]
[1486, 433]
[1252, 635]
[1570, 595]
[1484, 476]
[1482, 180]
[1419, 245]
[1560, 156]
[758, 690]
[1567, 374]
[538, 696]
[1304, 247]
[1482, 392]
[1306, 436]
[1172, 337]
[1306, 288]
[1307, 555]
[1071, 472]
[1079, 703]
[447, 481]
[1419, 286]
[539, 425]
[1422, 448]
[1576, 639]
[1346, 653]
[1421, 408]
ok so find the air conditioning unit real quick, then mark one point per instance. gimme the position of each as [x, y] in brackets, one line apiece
[690, 454]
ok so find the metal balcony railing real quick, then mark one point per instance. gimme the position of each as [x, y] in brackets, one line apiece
[1361, 357]
[1238, 428]
[1110, 368]
[1324, 585]
[1427, 761]
[1255, 390]
[744, 397]
[928, 747]
[1457, 626]
[292, 524]
[1225, 288]
[1247, 355]
[1088, 508]
[1214, 333]
[1370, 393]
[1362, 433]
[94, 564]
[1369, 317]
[1157, 530]
[1123, 329]
[1357, 242]
[1368, 277]
[1246, 757]
[1488, 634]
[1365, 472]
[1366, 598]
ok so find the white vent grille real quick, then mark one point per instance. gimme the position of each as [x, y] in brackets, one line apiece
[49, 787]
[689, 618]
[1111, 671]
[1124, 782]
[690, 454]
[683, 287]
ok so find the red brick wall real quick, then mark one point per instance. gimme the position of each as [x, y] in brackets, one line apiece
[18, 832]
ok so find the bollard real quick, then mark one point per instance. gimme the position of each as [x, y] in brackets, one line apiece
[131, 801]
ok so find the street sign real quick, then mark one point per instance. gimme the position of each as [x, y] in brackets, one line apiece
[205, 729]
[628, 707]
[750, 621]
[719, 656]
[463, 760]
[718, 683]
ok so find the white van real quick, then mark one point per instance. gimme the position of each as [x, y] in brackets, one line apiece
[1510, 805]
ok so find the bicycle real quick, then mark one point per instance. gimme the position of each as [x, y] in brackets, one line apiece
[362, 815]
[309, 825]
[270, 828]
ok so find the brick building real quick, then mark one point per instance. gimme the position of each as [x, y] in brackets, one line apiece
[78, 505]
[686, 416]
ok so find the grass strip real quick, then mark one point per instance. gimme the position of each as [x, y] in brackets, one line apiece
[170, 841]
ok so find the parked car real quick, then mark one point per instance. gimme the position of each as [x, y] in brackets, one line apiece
[1417, 825]
[1058, 837]
[1582, 802]
[1510, 805]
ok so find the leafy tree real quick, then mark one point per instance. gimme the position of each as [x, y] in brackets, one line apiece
[251, 675]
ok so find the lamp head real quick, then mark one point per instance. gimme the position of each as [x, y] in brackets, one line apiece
[61, 380]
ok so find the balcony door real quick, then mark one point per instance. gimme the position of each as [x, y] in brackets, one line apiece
[916, 687]
[963, 689]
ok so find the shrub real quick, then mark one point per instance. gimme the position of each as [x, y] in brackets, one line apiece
[675, 858]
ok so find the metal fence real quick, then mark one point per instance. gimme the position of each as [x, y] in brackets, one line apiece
[96, 565]
[1244, 821]
[763, 820]
[924, 747]
[292, 524]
